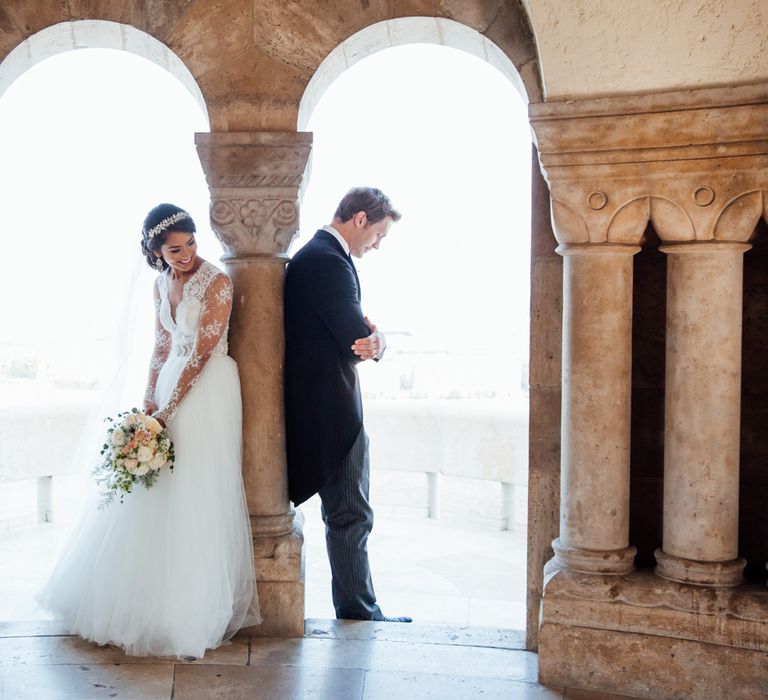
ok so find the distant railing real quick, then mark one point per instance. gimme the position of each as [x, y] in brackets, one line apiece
[37, 442]
[470, 438]
[480, 439]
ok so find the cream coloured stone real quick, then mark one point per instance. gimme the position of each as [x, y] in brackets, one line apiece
[603, 47]
[703, 401]
[255, 179]
[597, 347]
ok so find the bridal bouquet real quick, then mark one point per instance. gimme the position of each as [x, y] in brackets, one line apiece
[136, 449]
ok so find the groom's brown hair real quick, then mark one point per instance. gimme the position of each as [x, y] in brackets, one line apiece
[372, 201]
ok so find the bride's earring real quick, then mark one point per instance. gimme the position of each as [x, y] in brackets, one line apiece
[159, 263]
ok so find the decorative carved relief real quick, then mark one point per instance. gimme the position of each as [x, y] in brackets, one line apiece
[698, 158]
[569, 226]
[738, 218]
[254, 226]
[629, 222]
[704, 196]
[255, 179]
[671, 221]
[642, 589]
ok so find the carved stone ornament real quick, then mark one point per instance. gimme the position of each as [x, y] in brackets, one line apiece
[255, 179]
[694, 164]
[254, 226]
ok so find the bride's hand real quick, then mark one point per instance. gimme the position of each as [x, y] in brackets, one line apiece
[150, 407]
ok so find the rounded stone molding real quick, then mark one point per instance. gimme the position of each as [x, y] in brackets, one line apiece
[698, 247]
[615, 562]
[704, 196]
[597, 200]
[606, 248]
[271, 525]
[704, 573]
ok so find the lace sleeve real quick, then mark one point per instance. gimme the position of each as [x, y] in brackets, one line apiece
[214, 319]
[161, 351]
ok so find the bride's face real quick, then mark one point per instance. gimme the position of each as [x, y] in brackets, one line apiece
[180, 251]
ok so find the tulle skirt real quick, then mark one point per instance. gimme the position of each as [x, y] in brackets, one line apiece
[169, 572]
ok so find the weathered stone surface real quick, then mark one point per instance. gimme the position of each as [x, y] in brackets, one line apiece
[545, 397]
[255, 178]
[703, 383]
[597, 323]
[646, 666]
[613, 164]
[253, 91]
[644, 603]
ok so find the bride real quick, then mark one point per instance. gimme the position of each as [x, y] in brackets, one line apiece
[169, 572]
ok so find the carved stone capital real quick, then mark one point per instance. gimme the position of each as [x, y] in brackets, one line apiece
[255, 179]
[693, 163]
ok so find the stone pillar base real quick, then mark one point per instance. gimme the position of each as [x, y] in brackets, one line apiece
[644, 636]
[617, 562]
[279, 563]
[702, 573]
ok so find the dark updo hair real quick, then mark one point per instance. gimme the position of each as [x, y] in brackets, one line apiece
[152, 244]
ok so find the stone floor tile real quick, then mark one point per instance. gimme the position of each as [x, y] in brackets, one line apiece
[463, 635]
[32, 628]
[18, 651]
[386, 685]
[502, 613]
[396, 656]
[252, 683]
[478, 575]
[89, 682]
[576, 694]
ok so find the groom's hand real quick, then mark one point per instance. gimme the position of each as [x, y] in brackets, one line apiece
[371, 347]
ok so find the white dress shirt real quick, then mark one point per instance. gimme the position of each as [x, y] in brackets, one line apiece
[338, 237]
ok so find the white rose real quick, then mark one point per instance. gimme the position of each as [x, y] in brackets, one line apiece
[131, 464]
[153, 425]
[144, 453]
[118, 437]
[131, 419]
[141, 470]
[156, 462]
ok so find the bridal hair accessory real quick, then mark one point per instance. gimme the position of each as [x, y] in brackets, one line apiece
[166, 223]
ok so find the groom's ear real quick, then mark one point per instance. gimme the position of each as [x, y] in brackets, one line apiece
[360, 219]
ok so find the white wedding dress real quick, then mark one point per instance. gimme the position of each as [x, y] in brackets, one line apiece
[170, 570]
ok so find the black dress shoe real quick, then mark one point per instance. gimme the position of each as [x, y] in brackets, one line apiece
[404, 618]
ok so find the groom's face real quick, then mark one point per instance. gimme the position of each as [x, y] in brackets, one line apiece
[368, 236]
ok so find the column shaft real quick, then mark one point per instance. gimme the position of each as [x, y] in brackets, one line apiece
[597, 354]
[702, 413]
[255, 179]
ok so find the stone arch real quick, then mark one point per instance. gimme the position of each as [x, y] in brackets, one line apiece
[398, 32]
[101, 34]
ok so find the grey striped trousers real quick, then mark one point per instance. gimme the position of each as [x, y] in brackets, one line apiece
[348, 519]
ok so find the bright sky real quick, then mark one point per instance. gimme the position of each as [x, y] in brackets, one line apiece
[446, 136]
[92, 139]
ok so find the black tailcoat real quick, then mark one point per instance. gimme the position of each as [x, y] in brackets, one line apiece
[323, 318]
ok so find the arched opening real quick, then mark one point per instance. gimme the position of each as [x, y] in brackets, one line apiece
[91, 140]
[447, 409]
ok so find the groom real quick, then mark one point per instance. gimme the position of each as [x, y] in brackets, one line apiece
[326, 336]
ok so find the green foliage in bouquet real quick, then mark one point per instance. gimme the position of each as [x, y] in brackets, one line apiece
[136, 448]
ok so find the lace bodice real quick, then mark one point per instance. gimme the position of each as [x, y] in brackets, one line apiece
[197, 333]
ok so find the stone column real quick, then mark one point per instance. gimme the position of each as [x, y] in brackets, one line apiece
[702, 414]
[255, 180]
[596, 386]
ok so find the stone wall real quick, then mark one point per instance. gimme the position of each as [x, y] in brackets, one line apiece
[607, 47]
